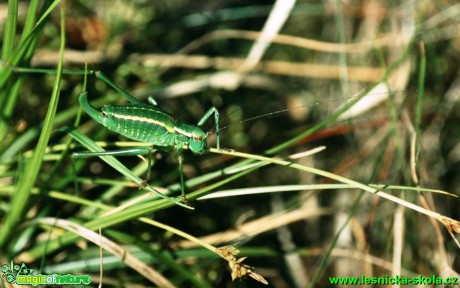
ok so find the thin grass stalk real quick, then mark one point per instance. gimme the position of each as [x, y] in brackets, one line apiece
[26, 182]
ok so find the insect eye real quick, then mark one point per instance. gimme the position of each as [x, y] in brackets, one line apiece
[199, 138]
[105, 115]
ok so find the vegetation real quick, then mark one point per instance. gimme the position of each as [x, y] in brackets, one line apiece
[374, 82]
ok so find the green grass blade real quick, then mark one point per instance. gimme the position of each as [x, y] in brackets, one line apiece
[10, 29]
[125, 215]
[9, 90]
[25, 184]
[7, 50]
[421, 90]
[117, 165]
[324, 262]
[27, 46]
[30, 19]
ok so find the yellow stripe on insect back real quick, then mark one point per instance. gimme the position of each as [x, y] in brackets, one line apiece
[144, 120]
[187, 134]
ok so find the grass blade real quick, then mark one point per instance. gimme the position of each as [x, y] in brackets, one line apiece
[24, 187]
[113, 162]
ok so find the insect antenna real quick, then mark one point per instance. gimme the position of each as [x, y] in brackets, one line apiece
[212, 130]
[278, 113]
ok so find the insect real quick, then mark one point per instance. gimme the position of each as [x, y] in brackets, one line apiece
[148, 123]
[143, 122]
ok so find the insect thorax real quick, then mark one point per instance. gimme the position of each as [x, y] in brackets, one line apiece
[190, 136]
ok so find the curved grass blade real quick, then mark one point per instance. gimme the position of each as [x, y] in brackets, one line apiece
[292, 188]
[117, 165]
[112, 247]
[335, 177]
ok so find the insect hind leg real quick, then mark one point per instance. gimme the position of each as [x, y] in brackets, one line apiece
[132, 151]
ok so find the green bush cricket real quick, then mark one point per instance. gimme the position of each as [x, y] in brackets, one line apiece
[147, 123]
[143, 122]
[150, 124]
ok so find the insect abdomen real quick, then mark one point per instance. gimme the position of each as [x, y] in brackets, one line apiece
[141, 123]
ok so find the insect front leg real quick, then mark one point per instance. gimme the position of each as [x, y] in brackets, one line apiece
[132, 151]
[180, 160]
[206, 116]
